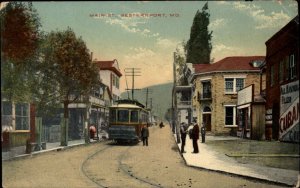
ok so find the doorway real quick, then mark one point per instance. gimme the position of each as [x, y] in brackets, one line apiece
[206, 118]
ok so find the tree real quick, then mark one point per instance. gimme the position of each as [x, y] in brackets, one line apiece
[67, 64]
[180, 65]
[198, 47]
[19, 32]
[20, 38]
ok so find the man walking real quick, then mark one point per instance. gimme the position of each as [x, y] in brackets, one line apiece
[195, 137]
[145, 135]
[183, 132]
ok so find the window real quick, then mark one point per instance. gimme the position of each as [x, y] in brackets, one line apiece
[230, 116]
[281, 68]
[6, 115]
[22, 116]
[272, 80]
[112, 115]
[239, 84]
[287, 68]
[233, 85]
[293, 71]
[134, 116]
[229, 85]
[206, 89]
[123, 116]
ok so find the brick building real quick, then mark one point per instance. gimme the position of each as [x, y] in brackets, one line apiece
[282, 83]
[215, 90]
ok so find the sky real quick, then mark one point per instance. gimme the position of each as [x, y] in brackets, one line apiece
[145, 34]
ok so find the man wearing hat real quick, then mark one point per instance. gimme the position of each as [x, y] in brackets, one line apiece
[195, 137]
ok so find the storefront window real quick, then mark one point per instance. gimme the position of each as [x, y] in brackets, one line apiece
[22, 116]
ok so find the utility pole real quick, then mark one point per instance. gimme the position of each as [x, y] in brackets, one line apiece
[148, 91]
[175, 113]
[132, 72]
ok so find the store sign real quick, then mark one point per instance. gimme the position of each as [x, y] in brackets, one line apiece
[245, 95]
[289, 112]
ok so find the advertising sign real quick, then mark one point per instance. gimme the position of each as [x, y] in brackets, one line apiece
[289, 112]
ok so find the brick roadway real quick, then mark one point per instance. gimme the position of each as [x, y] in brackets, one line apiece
[107, 165]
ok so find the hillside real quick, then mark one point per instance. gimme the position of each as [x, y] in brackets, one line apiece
[161, 97]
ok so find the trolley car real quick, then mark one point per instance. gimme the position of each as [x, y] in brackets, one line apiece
[126, 120]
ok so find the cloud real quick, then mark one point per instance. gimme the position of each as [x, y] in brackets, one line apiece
[219, 51]
[217, 23]
[133, 24]
[139, 55]
[166, 43]
[222, 47]
[263, 20]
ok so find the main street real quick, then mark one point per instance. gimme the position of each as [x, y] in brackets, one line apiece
[105, 164]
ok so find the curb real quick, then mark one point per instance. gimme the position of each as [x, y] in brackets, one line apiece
[59, 148]
[233, 174]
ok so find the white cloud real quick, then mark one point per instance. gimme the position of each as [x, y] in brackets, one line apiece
[222, 47]
[132, 24]
[166, 43]
[274, 20]
[263, 20]
[139, 55]
[217, 23]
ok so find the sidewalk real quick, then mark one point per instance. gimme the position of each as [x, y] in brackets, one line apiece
[18, 152]
[209, 159]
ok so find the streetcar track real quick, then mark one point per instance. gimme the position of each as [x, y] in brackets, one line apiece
[121, 165]
[125, 168]
[88, 158]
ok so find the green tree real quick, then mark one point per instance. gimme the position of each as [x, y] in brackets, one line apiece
[198, 47]
[180, 65]
[20, 38]
[67, 65]
[19, 32]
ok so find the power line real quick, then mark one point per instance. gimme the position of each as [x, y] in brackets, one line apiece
[132, 72]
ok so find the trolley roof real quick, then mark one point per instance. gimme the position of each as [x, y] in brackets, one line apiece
[125, 106]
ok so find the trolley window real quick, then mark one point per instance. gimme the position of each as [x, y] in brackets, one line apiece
[123, 116]
[112, 115]
[134, 116]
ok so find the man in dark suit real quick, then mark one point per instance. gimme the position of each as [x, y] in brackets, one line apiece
[183, 132]
[195, 138]
[145, 135]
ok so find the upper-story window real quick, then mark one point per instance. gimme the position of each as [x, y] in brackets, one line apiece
[206, 93]
[115, 81]
[233, 85]
[293, 71]
[272, 75]
[281, 70]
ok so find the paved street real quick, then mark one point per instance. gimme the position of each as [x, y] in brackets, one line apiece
[105, 164]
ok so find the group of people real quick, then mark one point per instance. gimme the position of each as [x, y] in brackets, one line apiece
[193, 134]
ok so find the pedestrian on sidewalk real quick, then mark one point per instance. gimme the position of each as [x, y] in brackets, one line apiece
[145, 135]
[183, 132]
[195, 137]
[203, 132]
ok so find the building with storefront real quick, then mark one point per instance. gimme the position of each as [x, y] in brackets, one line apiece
[282, 84]
[215, 88]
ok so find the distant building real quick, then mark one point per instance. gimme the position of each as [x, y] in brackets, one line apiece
[282, 87]
[110, 75]
[215, 88]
